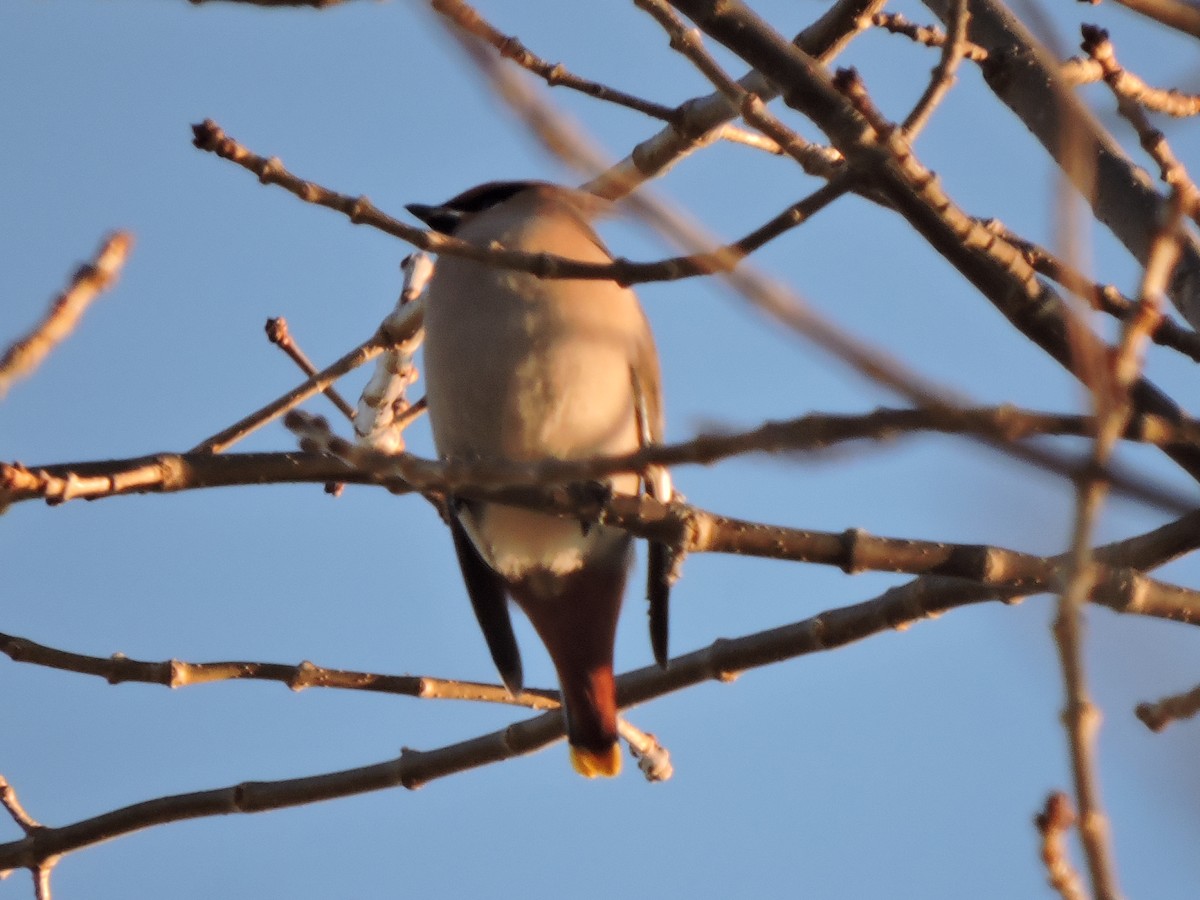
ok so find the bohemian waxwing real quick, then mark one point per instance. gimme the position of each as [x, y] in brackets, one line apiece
[523, 369]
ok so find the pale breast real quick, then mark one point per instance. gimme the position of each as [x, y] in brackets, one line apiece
[524, 368]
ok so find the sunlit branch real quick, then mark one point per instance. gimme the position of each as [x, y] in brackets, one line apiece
[25, 354]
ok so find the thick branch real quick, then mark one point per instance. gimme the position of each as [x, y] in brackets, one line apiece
[876, 149]
[169, 472]
[1025, 77]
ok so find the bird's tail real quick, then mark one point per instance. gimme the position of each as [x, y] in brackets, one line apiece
[578, 625]
[590, 699]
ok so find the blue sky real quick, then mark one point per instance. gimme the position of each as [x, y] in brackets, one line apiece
[909, 765]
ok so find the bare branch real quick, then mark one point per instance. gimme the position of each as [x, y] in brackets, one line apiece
[654, 759]
[210, 137]
[554, 74]
[876, 150]
[1097, 45]
[1025, 77]
[1172, 13]
[1113, 404]
[278, 334]
[695, 129]
[943, 76]
[170, 472]
[1103, 297]
[364, 352]
[26, 354]
[1175, 708]
[897, 609]
[1080, 715]
[1171, 102]
[1076, 70]
[175, 673]
[1053, 823]
[8, 799]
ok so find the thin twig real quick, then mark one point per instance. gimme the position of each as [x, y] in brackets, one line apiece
[8, 799]
[210, 137]
[1175, 14]
[278, 334]
[944, 73]
[993, 266]
[1175, 708]
[175, 673]
[1098, 46]
[1103, 297]
[170, 472]
[1080, 715]
[399, 326]
[1076, 70]
[281, 4]
[1169, 101]
[20, 359]
[701, 116]
[1053, 823]
[924, 34]
[227, 437]
[554, 74]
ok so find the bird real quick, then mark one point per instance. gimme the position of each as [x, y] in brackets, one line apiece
[524, 369]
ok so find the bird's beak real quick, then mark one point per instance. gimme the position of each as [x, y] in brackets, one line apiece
[439, 218]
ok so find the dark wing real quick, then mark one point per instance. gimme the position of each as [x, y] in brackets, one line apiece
[489, 598]
[647, 397]
[658, 592]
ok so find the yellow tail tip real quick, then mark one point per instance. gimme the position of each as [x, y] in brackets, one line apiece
[597, 763]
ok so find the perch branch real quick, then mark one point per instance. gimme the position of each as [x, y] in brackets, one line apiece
[168, 472]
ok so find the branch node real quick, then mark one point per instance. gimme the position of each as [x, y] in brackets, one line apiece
[851, 540]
